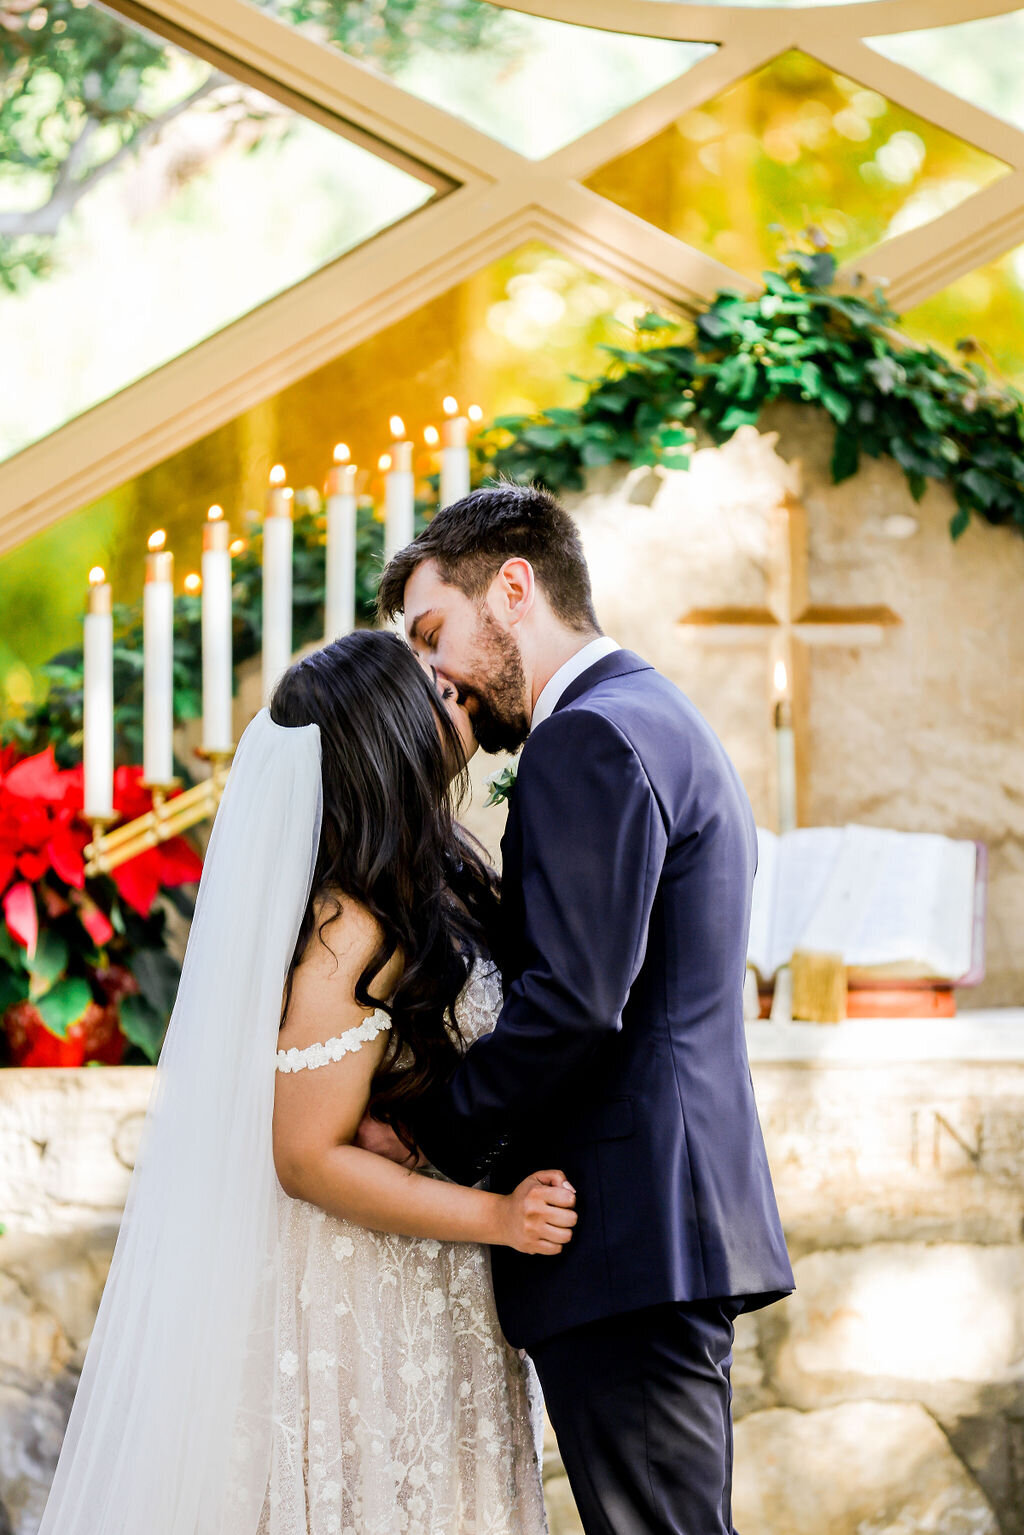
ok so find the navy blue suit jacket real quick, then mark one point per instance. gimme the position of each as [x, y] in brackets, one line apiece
[620, 1055]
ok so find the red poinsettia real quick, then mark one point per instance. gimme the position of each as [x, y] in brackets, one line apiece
[41, 829]
[67, 992]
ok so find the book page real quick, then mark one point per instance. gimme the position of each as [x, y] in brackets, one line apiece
[897, 898]
[806, 860]
[922, 908]
[762, 907]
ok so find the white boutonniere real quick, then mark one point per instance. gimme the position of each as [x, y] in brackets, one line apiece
[502, 783]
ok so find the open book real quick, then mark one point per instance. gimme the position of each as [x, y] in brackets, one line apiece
[896, 905]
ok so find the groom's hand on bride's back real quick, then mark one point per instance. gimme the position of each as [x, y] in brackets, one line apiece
[539, 1215]
[373, 1135]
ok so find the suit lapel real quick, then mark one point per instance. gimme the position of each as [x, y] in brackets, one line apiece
[619, 664]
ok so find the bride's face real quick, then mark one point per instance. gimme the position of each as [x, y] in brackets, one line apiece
[457, 713]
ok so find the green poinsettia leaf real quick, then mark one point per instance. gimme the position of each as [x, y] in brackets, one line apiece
[158, 975]
[64, 1004]
[142, 1025]
[49, 961]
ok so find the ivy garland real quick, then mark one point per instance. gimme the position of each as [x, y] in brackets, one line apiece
[800, 340]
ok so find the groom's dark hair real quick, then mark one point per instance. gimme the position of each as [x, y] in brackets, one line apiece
[470, 540]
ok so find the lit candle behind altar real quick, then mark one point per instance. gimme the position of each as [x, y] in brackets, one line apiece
[340, 602]
[785, 749]
[216, 627]
[98, 701]
[454, 454]
[277, 581]
[158, 665]
[400, 493]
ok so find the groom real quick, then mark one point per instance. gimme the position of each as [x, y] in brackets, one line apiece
[619, 1054]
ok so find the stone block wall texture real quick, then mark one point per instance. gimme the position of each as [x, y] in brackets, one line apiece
[885, 1398]
[922, 732]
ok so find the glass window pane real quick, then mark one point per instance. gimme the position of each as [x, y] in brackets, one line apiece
[978, 60]
[506, 338]
[531, 83]
[791, 145]
[146, 200]
[986, 306]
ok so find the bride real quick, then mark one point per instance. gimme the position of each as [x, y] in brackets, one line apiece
[296, 1335]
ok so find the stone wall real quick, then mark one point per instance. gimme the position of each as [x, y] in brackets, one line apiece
[885, 1398]
[923, 731]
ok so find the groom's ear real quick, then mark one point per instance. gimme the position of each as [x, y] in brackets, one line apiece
[513, 592]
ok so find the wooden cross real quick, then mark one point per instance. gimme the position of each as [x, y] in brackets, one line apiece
[791, 625]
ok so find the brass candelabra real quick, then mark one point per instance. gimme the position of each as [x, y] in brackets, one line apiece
[172, 813]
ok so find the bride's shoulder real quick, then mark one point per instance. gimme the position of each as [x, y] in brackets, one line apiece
[344, 939]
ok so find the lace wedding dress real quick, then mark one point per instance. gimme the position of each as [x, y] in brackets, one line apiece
[398, 1408]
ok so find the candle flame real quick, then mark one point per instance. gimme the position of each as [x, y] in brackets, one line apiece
[215, 514]
[288, 493]
[450, 405]
[431, 436]
[97, 575]
[237, 546]
[475, 413]
[341, 453]
[780, 678]
[384, 462]
[277, 475]
[156, 541]
[397, 426]
[193, 584]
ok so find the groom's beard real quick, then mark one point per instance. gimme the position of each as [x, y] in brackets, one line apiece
[496, 704]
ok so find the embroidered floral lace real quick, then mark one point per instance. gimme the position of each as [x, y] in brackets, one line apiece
[398, 1408]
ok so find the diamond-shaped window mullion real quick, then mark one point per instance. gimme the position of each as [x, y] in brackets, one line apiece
[148, 199]
[532, 84]
[794, 144]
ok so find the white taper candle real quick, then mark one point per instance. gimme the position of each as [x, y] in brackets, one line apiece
[277, 583]
[158, 664]
[454, 460]
[340, 601]
[98, 701]
[218, 735]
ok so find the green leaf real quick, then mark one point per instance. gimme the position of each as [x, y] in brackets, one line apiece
[959, 522]
[982, 487]
[595, 454]
[11, 953]
[544, 436]
[64, 1004]
[839, 406]
[736, 417]
[845, 456]
[13, 988]
[49, 962]
[142, 1025]
[158, 974]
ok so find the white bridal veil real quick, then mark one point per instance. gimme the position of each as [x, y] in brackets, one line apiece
[178, 1380]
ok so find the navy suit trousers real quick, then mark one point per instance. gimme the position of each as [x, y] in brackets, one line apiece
[642, 1407]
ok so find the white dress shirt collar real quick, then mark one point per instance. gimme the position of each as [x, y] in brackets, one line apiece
[573, 668]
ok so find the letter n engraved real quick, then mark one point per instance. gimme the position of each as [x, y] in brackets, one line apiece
[949, 1147]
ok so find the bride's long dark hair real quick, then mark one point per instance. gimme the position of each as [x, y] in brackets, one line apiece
[394, 775]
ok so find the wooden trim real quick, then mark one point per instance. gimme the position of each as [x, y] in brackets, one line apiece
[929, 101]
[722, 23]
[924, 261]
[283, 62]
[642, 121]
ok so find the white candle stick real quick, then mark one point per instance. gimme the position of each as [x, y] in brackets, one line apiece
[454, 454]
[218, 735]
[98, 702]
[340, 603]
[785, 749]
[400, 500]
[277, 582]
[158, 664]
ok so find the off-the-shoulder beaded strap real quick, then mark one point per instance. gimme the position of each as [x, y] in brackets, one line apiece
[333, 1049]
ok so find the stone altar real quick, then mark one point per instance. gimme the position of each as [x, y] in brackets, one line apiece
[886, 1397]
